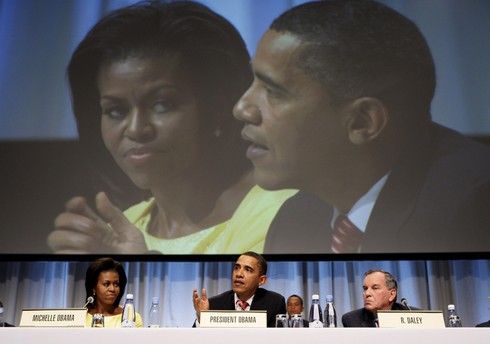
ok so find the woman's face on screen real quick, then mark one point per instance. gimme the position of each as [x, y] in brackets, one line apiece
[150, 119]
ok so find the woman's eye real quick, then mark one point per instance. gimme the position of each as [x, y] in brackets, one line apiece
[114, 112]
[162, 106]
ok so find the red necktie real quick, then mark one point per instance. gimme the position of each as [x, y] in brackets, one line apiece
[243, 304]
[346, 237]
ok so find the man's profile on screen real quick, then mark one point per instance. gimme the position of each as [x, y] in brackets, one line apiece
[340, 109]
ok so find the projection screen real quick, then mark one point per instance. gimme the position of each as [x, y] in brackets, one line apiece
[222, 210]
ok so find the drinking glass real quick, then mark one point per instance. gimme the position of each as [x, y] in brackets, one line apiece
[281, 320]
[296, 320]
[98, 320]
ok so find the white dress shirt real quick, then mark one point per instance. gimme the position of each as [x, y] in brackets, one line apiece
[362, 209]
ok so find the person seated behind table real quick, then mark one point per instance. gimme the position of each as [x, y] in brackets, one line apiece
[105, 281]
[154, 85]
[249, 273]
[295, 305]
[379, 293]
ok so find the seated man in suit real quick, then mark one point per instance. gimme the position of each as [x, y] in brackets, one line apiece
[379, 293]
[249, 273]
[295, 305]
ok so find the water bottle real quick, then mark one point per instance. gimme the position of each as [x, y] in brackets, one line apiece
[129, 314]
[2, 321]
[330, 315]
[315, 312]
[453, 318]
[154, 317]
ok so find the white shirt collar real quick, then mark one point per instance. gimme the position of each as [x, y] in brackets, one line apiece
[249, 301]
[361, 210]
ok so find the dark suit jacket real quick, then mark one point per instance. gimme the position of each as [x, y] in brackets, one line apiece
[484, 324]
[435, 200]
[267, 300]
[363, 318]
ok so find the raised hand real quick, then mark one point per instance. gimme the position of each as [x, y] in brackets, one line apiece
[81, 229]
[201, 303]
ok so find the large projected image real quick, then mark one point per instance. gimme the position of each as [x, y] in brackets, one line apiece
[326, 133]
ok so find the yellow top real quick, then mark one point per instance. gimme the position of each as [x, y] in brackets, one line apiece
[244, 231]
[112, 321]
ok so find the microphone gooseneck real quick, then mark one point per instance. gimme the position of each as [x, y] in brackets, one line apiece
[90, 300]
[404, 302]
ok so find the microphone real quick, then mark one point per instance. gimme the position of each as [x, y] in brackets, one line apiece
[404, 302]
[90, 300]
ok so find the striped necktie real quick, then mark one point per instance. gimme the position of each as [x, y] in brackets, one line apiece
[243, 304]
[346, 237]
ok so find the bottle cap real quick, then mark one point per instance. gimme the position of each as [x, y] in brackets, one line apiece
[155, 299]
[129, 296]
[315, 297]
[450, 307]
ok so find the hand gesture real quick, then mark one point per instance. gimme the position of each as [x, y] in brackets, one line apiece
[81, 229]
[201, 303]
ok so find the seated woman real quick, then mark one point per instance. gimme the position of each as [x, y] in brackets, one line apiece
[159, 82]
[105, 281]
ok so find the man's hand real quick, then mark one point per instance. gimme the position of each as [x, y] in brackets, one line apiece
[201, 303]
[80, 229]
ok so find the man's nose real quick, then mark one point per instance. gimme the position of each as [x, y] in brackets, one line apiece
[246, 109]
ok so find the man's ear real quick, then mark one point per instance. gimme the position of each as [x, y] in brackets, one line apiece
[262, 280]
[365, 119]
[392, 295]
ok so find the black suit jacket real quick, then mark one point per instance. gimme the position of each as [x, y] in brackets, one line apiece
[484, 324]
[363, 318]
[435, 200]
[264, 300]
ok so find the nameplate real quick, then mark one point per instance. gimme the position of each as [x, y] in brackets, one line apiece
[53, 317]
[232, 319]
[411, 319]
